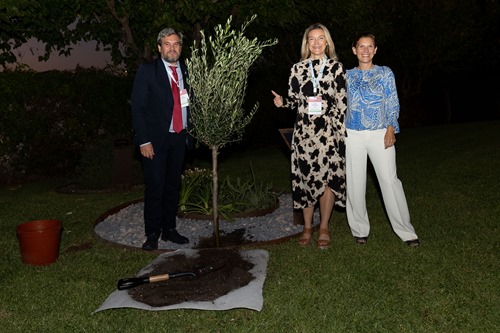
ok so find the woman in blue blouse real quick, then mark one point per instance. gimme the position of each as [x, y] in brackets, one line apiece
[371, 123]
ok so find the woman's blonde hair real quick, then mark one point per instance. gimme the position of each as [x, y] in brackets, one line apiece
[330, 47]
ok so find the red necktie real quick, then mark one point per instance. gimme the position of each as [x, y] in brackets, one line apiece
[177, 115]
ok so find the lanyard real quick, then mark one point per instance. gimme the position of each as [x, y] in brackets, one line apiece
[172, 77]
[315, 81]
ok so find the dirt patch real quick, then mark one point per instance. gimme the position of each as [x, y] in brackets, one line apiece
[232, 274]
[232, 239]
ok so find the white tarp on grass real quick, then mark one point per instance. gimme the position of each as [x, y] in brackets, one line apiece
[249, 296]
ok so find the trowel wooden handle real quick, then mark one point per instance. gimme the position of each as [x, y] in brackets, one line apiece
[158, 278]
[137, 281]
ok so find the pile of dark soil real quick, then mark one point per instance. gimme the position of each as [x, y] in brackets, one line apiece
[231, 274]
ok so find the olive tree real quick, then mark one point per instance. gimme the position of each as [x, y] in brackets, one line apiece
[219, 68]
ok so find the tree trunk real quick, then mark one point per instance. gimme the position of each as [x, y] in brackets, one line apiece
[215, 194]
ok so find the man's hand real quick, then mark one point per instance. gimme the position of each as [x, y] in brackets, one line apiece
[147, 151]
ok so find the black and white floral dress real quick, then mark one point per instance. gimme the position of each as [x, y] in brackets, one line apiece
[318, 148]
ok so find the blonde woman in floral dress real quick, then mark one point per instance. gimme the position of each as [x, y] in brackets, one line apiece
[317, 92]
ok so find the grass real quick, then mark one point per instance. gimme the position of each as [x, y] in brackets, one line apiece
[449, 284]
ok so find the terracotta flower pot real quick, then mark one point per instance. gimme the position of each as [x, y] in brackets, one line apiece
[39, 241]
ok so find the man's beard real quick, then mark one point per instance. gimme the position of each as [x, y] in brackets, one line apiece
[173, 58]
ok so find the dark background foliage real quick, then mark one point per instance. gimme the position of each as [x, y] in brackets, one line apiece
[444, 54]
[49, 120]
[65, 123]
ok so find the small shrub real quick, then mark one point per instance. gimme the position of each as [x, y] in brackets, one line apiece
[235, 196]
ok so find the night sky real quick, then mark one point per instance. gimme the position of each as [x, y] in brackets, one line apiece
[83, 55]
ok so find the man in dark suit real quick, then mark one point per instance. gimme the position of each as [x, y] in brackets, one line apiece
[160, 114]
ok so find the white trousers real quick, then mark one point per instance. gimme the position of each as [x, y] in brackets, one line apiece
[359, 146]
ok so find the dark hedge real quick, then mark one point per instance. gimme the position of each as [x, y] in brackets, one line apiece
[49, 119]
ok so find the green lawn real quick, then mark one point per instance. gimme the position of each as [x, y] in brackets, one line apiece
[449, 284]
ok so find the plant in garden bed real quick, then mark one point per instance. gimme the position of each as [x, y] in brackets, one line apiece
[254, 195]
[235, 196]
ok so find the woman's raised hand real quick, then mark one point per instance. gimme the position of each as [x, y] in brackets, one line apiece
[278, 100]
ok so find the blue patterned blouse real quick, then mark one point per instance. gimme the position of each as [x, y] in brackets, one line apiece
[372, 99]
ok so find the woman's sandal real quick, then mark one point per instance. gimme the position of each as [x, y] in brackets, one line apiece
[324, 242]
[306, 237]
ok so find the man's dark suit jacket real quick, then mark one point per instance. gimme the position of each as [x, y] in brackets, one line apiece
[152, 103]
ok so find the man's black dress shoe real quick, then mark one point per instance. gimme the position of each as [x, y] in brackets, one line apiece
[151, 243]
[413, 243]
[173, 236]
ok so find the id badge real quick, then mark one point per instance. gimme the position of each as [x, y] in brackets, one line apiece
[314, 105]
[184, 98]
